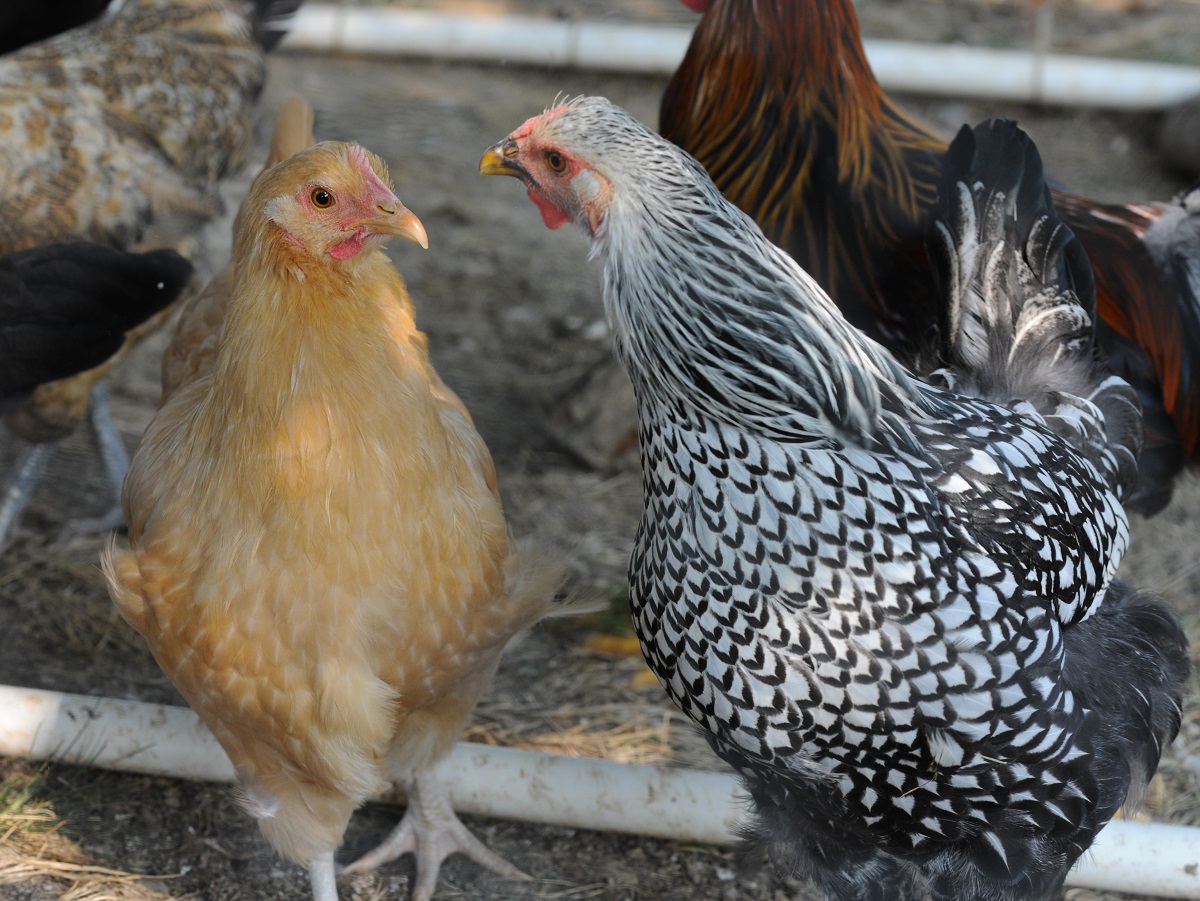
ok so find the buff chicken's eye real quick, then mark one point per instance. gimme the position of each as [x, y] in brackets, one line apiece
[555, 161]
[321, 198]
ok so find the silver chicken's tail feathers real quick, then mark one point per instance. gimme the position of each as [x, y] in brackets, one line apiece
[1020, 302]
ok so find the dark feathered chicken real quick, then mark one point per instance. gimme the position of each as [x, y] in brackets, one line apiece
[889, 604]
[65, 308]
[119, 132]
[776, 99]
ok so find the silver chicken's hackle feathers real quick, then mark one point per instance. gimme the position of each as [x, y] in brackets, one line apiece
[1020, 301]
[885, 602]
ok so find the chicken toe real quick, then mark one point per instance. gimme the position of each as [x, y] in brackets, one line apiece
[432, 831]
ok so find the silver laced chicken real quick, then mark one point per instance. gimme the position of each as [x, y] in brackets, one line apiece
[888, 601]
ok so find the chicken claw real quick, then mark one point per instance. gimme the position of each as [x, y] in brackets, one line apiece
[432, 831]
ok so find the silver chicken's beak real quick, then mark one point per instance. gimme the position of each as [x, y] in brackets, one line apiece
[396, 219]
[500, 159]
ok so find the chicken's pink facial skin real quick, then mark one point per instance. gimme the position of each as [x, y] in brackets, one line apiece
[554, 217]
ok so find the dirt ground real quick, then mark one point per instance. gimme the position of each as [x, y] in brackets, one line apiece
[514, 319]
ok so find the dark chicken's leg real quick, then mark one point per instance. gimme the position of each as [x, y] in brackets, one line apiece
[28, 472]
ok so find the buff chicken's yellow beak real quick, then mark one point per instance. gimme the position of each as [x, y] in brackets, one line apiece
[400, 222]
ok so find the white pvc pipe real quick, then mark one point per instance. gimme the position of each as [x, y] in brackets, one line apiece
[1016, 75]
[579, 792]
[525, 40]
[936, 69]
[1142, 859]
[687, 805]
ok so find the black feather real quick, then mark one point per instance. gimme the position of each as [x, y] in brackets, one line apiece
[272, 19]
[26, 21]
[65, 308]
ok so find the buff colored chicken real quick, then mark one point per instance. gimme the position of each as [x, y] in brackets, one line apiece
[318, 556]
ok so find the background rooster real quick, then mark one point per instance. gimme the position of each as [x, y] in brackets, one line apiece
[118, 132]
[776, 99]
[889, 605]
[318, 556]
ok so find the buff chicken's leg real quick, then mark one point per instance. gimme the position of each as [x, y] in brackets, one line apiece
[432, 831]
[321, 875]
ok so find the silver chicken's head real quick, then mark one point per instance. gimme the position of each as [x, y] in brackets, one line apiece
[582, 160]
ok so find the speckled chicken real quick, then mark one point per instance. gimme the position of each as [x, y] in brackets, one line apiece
[118, 132]
[318, 557]
[888, 602]
[776, 99]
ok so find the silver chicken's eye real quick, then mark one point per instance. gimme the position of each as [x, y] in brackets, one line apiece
[321, 198]
[555, 161]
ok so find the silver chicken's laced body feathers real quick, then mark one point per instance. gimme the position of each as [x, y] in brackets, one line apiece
[854, 581]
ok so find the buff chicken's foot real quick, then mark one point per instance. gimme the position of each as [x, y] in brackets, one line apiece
[432, 831]
[20, 488]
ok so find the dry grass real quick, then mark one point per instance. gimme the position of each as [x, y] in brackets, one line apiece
[34, 851]
[618, 732]
[82, 620]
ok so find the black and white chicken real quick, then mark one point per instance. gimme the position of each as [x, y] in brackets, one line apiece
[888, 601]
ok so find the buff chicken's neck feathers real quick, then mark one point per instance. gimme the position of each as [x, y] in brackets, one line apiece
[293, 297]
